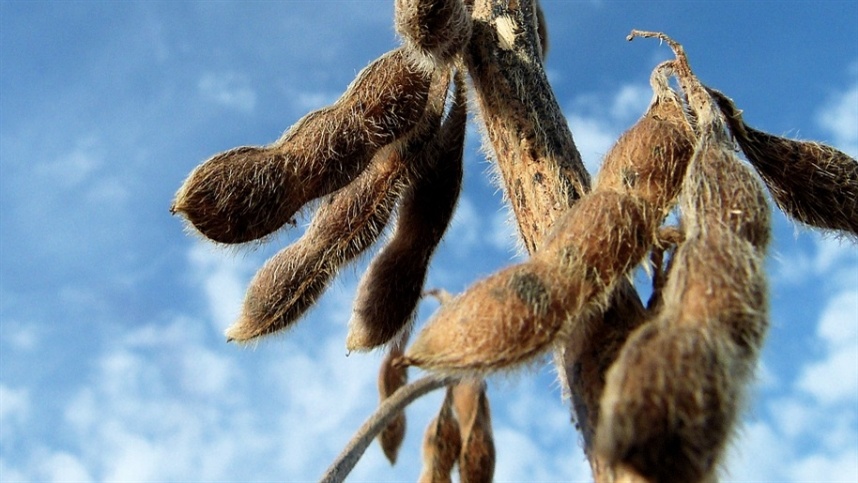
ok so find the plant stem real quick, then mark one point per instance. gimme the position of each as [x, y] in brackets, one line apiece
[388, 408]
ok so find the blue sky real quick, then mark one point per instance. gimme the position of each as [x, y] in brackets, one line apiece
[113, 366]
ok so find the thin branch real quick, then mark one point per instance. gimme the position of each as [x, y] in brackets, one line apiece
[346, 461]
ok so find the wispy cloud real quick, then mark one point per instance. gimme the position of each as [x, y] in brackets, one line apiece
[227, 89]
[598, 119]
[839, 116]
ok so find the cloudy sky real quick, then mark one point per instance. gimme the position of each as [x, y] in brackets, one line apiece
[113, 366]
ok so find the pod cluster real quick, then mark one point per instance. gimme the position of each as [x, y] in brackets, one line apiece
[658, 389]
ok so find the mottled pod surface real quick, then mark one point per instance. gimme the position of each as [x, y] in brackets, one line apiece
[503, 320]
[247, 193]
[673, 397]
[600, 238]
[649, 160]
[722, 193]
[514, 315]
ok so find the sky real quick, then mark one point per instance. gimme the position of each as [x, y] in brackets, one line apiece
[113, 366]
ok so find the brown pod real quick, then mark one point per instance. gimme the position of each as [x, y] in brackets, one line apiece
[718, 274]
[442, 444]
[515, 315]
[589, 351]
[650, 159]
[390, 378]
[673, 396]
[390, 289]
[477, 457]
[813, 183]
[434, 31]
[669, 404]
[721, 193]
[249, 192]
[347, 223]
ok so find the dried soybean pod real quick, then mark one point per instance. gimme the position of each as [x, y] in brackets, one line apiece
[695, 92]
[390, 289]
[434, 31]
[477, 457]
[729, 228]
[669, 413]
[249, 192]
[515, 315]
[347, 223]
[650, 159]
[811, 182]
[442, 444]
[390, 378]
[672, 399]
[721, 193]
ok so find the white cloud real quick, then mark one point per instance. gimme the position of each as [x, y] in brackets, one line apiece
[74, 167]
[227, 89]
[839, 117]
[832, 258]
[466, 228]
[503, 234]
[20, 336]
[14, 409]
[84, 166]
[744, 459]
[838, 326]
[631, 101]
[63, 467]
[224, 278]
[161, 411]
[593, 138]
[842, 466]
[598, 119]
[809, 432]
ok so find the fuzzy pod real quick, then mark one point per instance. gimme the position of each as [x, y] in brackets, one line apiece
[390, 289]
[650, 159]
[249, 192]
[600, 238]
[695, 92]
[442, 443]
[721, 193]
[346, 223]
[434, 31]
[811, 182]
[590, 349]
[390, 378]
[477, 457]
[669, 404]
[514, 315]
[673, 397]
